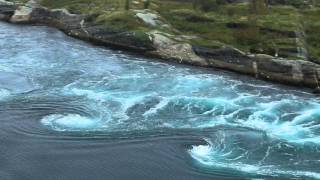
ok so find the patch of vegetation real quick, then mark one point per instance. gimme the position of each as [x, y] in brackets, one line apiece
[121, 21]
[312, 26]
[253, 28]
[93, 6]
[207, 43]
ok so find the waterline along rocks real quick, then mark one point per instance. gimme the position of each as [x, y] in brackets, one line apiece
[165, 42]
[71, 109]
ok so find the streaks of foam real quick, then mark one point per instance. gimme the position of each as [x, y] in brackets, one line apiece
[4, 94]
[285, 117]
[222, 154]
[129, 93]
[301, 129]
[180, 97]
[71, 122]
[161, 105]
[208, 156]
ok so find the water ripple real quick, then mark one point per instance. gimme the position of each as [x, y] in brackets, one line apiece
[55, 89]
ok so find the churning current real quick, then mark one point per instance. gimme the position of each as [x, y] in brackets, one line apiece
[71, 110]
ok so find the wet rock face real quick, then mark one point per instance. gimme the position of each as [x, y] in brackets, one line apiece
[6, 11]
[59, 18]
[296, 72]
[99, 34]
[226, 57]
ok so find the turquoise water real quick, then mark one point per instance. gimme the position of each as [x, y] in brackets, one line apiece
[57, 90]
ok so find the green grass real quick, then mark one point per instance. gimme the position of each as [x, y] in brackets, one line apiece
[231, 24]
[121, 20]
[312, 26]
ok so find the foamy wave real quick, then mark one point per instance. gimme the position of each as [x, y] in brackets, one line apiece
[71, 122]
[287, 119]
[4, 93]
[220, 155]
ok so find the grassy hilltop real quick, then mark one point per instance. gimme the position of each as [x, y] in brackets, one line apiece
[286, 28]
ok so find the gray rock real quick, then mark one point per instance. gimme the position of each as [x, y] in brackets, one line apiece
[22, 15]
[6, 3]
[168, 48]
[6, 11]
[148, 18]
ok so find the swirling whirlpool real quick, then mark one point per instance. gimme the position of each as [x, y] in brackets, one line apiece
[69, 109]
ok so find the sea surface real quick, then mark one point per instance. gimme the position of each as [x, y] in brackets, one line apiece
[71, 110]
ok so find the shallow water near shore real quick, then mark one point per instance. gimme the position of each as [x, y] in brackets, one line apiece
[71, 110]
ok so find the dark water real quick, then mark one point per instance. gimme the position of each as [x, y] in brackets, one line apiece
[70, 110]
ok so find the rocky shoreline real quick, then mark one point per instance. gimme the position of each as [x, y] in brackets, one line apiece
[165, 46]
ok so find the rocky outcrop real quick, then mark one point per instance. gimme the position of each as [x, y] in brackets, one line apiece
[294, 72]
[59, 18]
[6, 10]
[7, 3]
[23, 13]
[134, 40]
[151, 18]
[226, 58]
[166, 46]
[291, 72]
[78, 26]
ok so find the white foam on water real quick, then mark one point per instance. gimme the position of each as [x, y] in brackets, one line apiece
[98, 96]
[5, 68]
[71, 122]
[4, 94]
[301, 129]
[191, 83]
[219, 156]
[162, 104]
[114, 84]
[264, 114]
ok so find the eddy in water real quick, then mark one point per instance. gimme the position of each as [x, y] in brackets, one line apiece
[245, 126]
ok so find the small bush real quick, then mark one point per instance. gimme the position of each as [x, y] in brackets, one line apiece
[146, 4]
[259, 6]
[191, 16]
[207, 5]
[247, 35]
[127, 5]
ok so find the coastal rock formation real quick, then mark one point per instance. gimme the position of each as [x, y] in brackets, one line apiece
[6, 10]
[295, 72]
[168, 46]
[23, 13]
[151, 18]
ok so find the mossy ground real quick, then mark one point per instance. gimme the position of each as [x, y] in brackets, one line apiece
[232, 24]
[312, 26]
